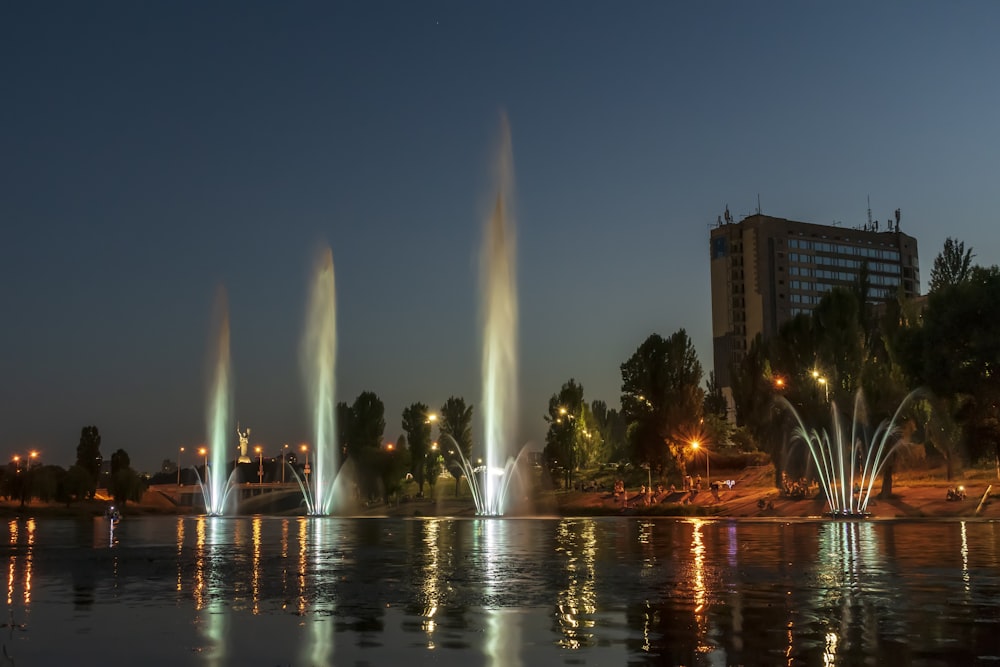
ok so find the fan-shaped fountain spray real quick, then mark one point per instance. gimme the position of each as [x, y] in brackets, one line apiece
[848, 463]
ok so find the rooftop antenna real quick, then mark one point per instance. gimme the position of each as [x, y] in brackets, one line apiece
[758, 203]
[869, 212]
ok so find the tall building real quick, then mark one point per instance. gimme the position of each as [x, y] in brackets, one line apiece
[766, 270]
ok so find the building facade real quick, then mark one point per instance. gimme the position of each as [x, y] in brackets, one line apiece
[766, 270]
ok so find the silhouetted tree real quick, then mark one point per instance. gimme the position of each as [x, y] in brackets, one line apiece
[365, 428]
[662, 399]
[952, 266]
[455, 427]
[88, 455]
[417, 425]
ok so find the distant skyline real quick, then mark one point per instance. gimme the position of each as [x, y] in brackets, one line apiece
[152, 153]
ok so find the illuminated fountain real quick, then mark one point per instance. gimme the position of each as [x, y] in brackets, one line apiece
[848, 463]
[215, 486]
[319, 354]
[499, 322]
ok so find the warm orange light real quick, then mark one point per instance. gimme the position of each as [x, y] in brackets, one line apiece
[432, 417]
[779, 382]
[202, 451]
[34, 454]
[434, 445]
[695, 444]
[304, 447]
[17, 458]
[390, 446]
[562, 411]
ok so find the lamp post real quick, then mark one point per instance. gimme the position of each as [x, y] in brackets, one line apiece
[179, 452]
[563, 412]
[204, 452]
[826, 386]
[260, 466]
[305, 471]
[695, 445]
[284, 459]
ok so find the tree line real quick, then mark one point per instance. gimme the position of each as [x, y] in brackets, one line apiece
[23, 480]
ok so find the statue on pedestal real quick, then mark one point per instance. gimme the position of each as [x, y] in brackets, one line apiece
[244, 443]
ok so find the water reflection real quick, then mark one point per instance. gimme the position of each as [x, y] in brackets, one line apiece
[320, 650]
[577, 603]
[20, 563]
[211, 619]
[260, 590]
[503, 630]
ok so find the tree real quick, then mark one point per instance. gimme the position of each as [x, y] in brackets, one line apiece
[124, 483]
[417, 426]
[573, 440]
[456, 427]
[612, 428]
[662, 399]
[76, 484]
[952, 266]
[961, 356]
[120, 461]
[88, 455]
[840, 340]
[365, 427]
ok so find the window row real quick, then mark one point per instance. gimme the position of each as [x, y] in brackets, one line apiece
[822, 246]
[844, 263]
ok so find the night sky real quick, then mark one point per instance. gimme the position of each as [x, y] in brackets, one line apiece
[153, 152]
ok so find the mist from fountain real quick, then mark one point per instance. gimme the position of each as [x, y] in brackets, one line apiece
[499, 326]
[215, 487]
[846, 461]
[319, 356]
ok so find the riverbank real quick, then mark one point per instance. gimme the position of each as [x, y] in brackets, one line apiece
[915, 495]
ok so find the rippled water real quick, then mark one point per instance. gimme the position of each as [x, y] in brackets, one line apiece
[604, 591]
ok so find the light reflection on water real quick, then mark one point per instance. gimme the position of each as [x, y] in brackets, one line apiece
[318, 591]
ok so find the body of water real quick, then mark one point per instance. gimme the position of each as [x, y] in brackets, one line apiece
[574, 591]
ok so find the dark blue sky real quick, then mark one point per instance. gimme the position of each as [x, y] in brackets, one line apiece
[150, 152]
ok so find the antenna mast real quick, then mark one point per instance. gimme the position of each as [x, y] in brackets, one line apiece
[869, 211]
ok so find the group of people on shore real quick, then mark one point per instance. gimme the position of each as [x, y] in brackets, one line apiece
[648, 495]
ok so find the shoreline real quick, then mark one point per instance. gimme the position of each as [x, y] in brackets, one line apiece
[910, 500]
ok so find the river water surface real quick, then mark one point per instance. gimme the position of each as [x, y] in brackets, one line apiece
[585, 591]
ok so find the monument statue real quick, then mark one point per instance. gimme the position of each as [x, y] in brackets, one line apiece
[244, 443]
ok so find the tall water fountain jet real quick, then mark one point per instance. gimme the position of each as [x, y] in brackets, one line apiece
[319, 358]
[499, 322]
[215, 485]
[848, 463]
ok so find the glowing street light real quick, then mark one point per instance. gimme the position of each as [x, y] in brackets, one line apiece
[695, 445]
[204, 452]
[284, 460]
[826, 386]
[304, 448]
[260, 467]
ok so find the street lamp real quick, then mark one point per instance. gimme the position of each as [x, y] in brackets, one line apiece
[826, 387]
[284, 460]
[305, 471]
[204, 452]
[260, 467]
[563, 412]
[695, 445]
[179, 452]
